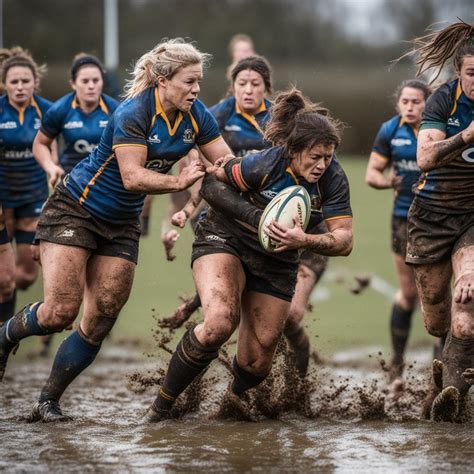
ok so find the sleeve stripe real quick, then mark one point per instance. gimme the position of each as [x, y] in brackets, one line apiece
[212, 141]
[239, 180]
[337, 217]
[379, 155]
[128, 144]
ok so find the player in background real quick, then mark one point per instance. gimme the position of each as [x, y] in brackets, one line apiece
[394, 150]
[23, 184]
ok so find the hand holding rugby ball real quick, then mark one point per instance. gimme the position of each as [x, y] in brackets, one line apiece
[290, 205]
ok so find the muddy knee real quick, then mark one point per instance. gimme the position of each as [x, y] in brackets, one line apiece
[58, 316]
[97, 328]
[216, 328]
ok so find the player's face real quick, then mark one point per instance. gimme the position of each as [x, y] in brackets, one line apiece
[20, 85]
[467, 76]
[312, 163]
[249, 90]
[182, 89]
[411, 105]
[242, 49]
[88, 85]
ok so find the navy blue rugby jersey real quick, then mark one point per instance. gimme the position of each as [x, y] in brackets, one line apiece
[396, 141]
[81, 131]
[449, 189]
[241, 131]
[96, 182]
[261, 176]
[22, 180]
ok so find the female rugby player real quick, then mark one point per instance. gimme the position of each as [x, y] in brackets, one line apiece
[89, 228]
[23, 184]
[241, 285]
[441, 218]
[242, 118]
[79, 117]
[395, 149]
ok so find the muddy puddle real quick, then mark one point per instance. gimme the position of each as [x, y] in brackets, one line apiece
[343, 419]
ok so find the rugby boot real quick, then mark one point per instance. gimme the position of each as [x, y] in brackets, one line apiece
[446, 405]
[232, 408]
[155, 415]
[468, 375]
[48, 411]
[6, 348]
[435, 388]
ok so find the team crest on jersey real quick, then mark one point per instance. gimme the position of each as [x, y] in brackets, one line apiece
[188, 136]
[315, 203]
[154, 139]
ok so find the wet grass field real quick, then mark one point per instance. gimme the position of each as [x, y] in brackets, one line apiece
[349, 421]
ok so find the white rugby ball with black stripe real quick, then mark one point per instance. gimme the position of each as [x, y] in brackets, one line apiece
[290, 204]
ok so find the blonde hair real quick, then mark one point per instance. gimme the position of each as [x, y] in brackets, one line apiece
[164, 60]
[17, 56]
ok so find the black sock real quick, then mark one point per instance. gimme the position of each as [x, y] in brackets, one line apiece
[439, 346]
[74, 355]
[244, 380]
[7, 309]
[458, 355]
[189, 360]
[400, 323]
[299, 343]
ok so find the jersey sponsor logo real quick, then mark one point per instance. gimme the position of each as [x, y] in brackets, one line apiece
[215, 238]
[454, 122]
[232, 128]
[18, 154]
[67, 233]
[37, 124]
[7, 125]
[468, 155]
[268, 193]
[407, 165]
[83, 146]
[74, 124]
[103, 123]
[401, 141]
[188, 136]
[154, 139]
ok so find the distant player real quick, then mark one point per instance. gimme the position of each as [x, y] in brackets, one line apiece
[23, 184]
[395, 150]
[241, 285]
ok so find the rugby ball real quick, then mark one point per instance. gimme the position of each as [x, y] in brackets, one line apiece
[293, 202]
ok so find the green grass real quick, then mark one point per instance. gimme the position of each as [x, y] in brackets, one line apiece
[340, 321]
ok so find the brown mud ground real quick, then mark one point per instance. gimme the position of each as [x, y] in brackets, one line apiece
[343, 417]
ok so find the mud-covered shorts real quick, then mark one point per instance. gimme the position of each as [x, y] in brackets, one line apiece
[399, 236]
[435, 236]
[265, 272]
[64, 221]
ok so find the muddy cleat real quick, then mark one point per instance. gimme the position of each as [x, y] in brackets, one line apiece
[395, 371]
[232, 408]
[468, 376]
[437, 367]
[6, 347]
[446, 405]
[435, 388]
[48, 411]
[155, 415]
